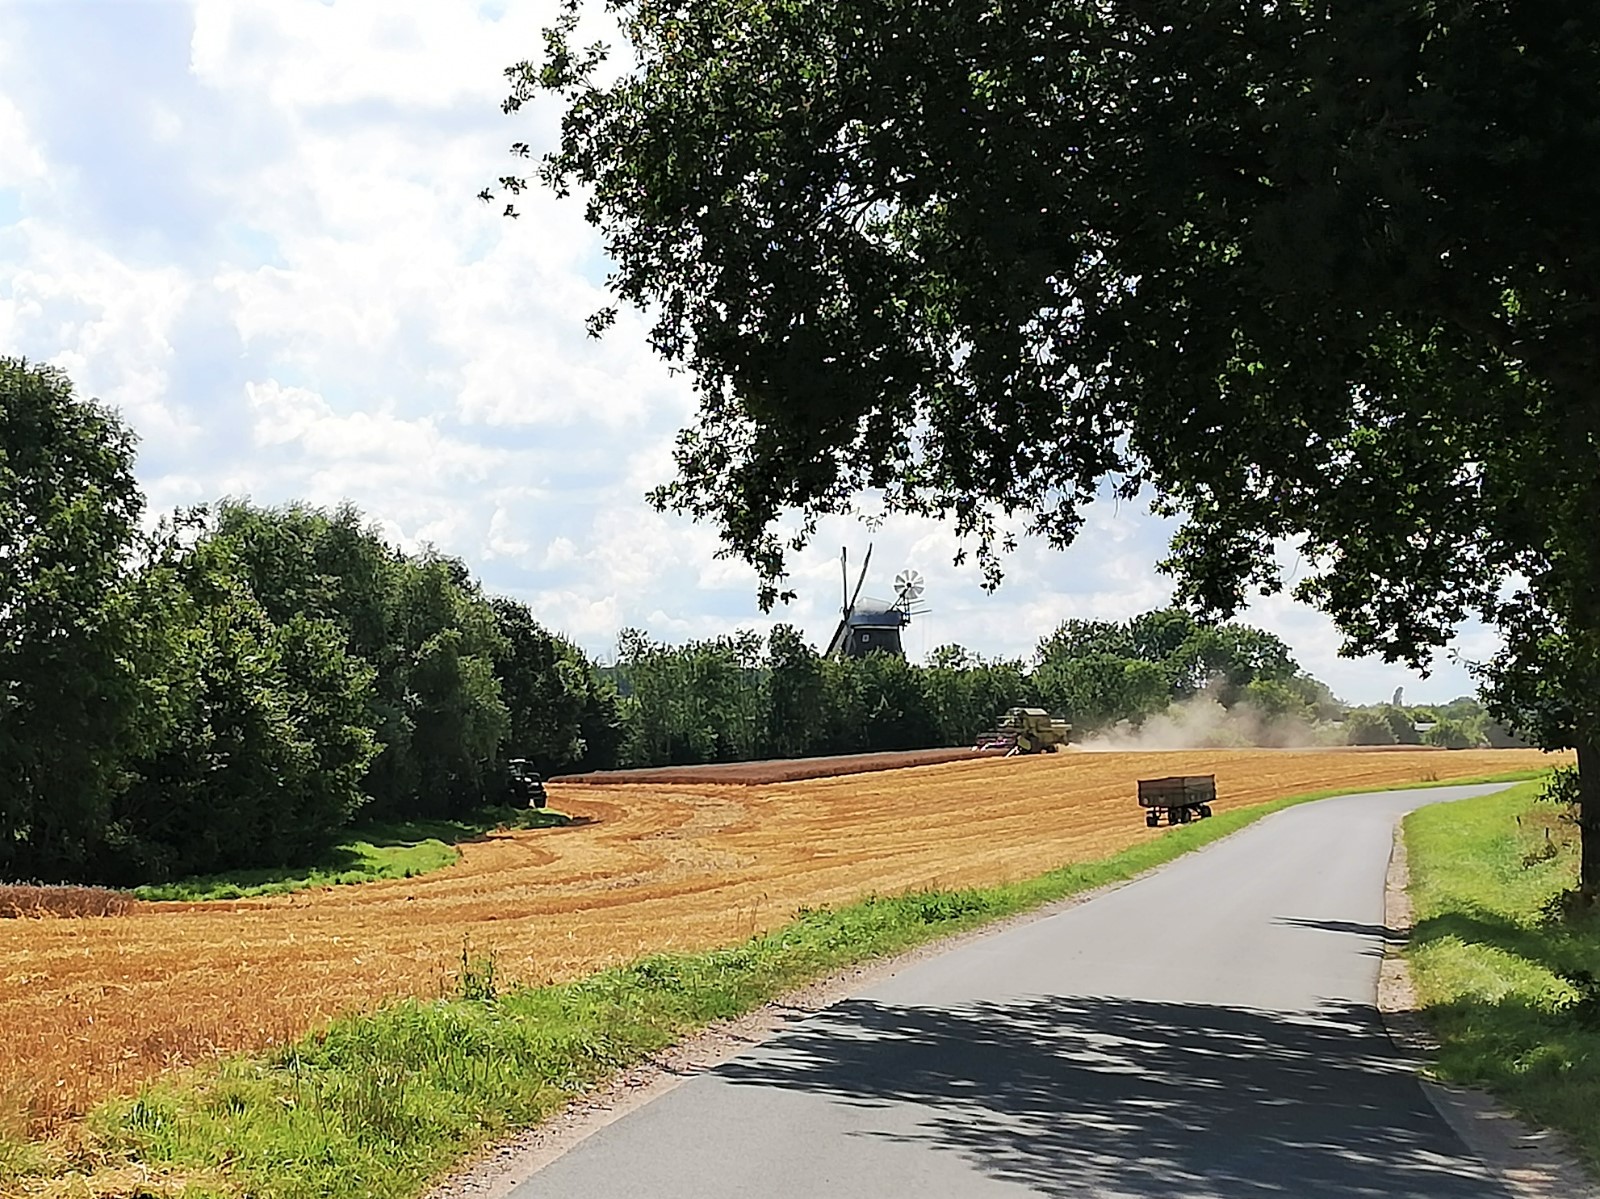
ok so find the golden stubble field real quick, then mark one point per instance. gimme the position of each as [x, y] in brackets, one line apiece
[91, 1007]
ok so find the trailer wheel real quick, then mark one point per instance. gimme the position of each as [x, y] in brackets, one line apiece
[1205, 811]
[1152, 819]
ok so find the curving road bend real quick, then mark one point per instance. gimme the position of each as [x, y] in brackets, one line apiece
[1209, 1031]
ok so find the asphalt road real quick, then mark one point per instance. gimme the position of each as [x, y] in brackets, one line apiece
[1207, 1031]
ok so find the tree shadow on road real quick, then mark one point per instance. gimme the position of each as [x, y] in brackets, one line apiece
[1088, 1096]
[1382, 932]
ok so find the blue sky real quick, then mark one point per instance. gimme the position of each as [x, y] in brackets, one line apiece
[251, 226]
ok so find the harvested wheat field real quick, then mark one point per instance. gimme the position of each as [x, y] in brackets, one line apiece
[95, 1005]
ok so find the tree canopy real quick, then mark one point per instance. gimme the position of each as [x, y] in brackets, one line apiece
[69, 638]
[1325, 275]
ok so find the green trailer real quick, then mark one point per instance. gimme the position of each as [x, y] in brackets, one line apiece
[1181, 798]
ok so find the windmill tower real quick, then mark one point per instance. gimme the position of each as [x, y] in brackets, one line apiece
[872, 626]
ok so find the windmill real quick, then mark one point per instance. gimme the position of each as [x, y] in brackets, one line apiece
[868, 626]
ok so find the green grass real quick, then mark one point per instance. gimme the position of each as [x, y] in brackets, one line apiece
[382, 1103]
[398, 849]
[19, 1159]
[1505, 981]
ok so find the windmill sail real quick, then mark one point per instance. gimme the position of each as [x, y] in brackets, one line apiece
[865, 562]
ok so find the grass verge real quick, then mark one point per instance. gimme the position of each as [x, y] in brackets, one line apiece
[383, 1103]
[1506, 982]
[397, 849]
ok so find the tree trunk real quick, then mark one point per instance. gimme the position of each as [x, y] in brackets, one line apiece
[1589, 812]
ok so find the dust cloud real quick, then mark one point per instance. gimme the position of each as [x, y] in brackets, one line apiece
[1200, 722]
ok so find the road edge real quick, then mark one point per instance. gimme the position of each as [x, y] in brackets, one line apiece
[1532, 1163]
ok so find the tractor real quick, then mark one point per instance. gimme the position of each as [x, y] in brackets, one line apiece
[526, 784]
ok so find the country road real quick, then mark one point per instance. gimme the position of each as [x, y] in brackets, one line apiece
[1210, 1030]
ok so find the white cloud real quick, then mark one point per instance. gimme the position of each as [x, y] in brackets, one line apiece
[283, 413]
[560, 552]
[20, 159]
[363, 438]
[381, 240]
[103, 320]
[422, 484]
[591, 622]
[302, 54]
[501, 542]
[163, 493]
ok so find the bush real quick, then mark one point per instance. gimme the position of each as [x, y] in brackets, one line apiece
[1450, 734]
[1365, 727]
[1401, 724]
[1562, 787]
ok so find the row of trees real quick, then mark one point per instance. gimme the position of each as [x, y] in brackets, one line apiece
[1109, 672]
[734, 698]
[1463, 723]
[236, 686]
[737, 698]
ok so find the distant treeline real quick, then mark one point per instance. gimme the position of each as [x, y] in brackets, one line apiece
[741, 697]
[1460, 724]
[239, 685]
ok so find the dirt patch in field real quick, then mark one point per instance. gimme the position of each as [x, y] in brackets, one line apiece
[778, 770]
[96, 1007]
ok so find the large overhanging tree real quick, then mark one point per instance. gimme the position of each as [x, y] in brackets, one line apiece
[1318, 274]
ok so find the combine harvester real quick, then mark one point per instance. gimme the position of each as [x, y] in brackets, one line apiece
[1026, 731]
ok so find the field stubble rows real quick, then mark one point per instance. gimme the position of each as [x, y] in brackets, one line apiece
[93, 1007]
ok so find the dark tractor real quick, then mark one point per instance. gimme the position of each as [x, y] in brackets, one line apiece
[526, 785]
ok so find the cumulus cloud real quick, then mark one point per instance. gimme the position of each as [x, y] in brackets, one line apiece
[20, 159]
[105, 321]
[299, 54]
